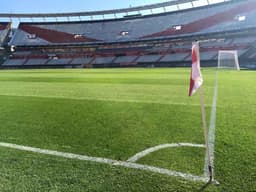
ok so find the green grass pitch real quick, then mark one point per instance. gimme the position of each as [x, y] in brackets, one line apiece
[116, 113]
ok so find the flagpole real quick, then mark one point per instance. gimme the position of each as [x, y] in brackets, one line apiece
[196, 82]
[205, 133]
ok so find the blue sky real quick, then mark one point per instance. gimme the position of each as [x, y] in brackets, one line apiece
[48, 6]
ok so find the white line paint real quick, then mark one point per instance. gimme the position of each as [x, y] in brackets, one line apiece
[107, 161]
[211, 134]
[164, 102]
[141, 154]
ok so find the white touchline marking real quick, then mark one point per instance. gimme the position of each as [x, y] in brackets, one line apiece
[106, 99]
[211, 134]
[107, 161]
[141, 154]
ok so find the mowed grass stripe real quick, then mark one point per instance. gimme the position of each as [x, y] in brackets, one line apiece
[120, 92]
[107, 100]
[95, 80]
[113, 76]
[140, 85]
[96, 128]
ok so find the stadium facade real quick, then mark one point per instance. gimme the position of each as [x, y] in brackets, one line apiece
[161, 39]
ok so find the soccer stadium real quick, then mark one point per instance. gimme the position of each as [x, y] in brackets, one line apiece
[152, 97]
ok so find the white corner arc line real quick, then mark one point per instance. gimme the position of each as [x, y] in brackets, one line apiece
[141, 154]
[106, 161]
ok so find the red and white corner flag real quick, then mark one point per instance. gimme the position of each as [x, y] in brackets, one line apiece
[196, 79]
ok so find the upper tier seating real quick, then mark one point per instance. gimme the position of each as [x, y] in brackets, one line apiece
[208, 19]
[4, 30]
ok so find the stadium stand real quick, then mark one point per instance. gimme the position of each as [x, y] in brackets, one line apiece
[5, 28]
[63, 61]
[132, 41]
[14, 62]
[148, 59]
[210, 19]
[4, 31]
[102, 60]
[175, 57]
[32, 62]
[81, 61]
[125, 59]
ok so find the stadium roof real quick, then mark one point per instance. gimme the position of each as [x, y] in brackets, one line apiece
[171, 5]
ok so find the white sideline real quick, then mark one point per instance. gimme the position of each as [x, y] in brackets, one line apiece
[141, 154]
[106, 161]
[211, 134]
[105, 99]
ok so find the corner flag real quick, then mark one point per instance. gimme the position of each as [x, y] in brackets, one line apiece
[196, 79]
[196, 82]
